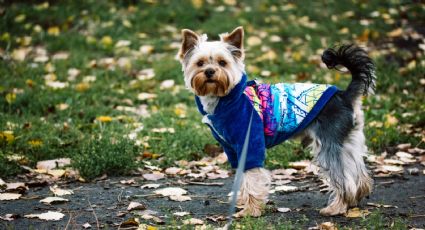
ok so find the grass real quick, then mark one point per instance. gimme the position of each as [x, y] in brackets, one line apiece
[84, 121]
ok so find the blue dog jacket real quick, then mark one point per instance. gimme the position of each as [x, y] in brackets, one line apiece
[281, 111]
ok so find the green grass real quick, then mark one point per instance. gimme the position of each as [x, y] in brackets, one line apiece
[89, 30]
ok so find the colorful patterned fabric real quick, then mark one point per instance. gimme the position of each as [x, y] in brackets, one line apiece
[282, 107]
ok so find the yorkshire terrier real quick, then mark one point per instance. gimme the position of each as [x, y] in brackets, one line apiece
[331, 118]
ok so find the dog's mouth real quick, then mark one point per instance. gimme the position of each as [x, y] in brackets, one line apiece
[216, 86]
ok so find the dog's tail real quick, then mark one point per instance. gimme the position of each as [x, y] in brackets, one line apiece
[360, 65]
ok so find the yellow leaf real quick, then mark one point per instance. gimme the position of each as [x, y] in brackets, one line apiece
[7, 136]
[356, 212]
[296, 56]
[106, 41]
[364, 37]
[104, 119]
[20, 18]
[35, 143]
[197, 3]
[83, 86]
[10, 98]
[395, 33]
[390, 120]
[53, 30]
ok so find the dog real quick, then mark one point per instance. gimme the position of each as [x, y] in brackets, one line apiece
[331, 118]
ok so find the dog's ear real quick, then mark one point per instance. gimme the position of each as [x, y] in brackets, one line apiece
[190, 39]
[235, 38]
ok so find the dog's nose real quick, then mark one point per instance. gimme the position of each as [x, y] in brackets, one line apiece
[209, 73]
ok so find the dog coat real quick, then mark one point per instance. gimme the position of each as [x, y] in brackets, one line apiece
[280, 111]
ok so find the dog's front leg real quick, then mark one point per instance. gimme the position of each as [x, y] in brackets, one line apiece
[254, 192]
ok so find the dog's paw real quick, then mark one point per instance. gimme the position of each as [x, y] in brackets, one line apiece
[333, 210]
[249, 211]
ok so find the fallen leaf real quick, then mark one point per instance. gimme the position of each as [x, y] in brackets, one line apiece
[171, 191]
[193, 221]
[283, 210]
[391, 168]
[136, 206]
[404, 155]
[150, 186]
[56, 172]
[356, 212]
[46, 216]
[180, 198]
[60, 192]
[51, 200]
[146, 96]
[172, 170]
[10, 196]
[86, 226]
[154, 176]
[16, 187]
[128, 182]
[163, 130]
[181, 214]
[104, 119]
[152, 217]
[9, 217]
[395, 33]
[327, 226]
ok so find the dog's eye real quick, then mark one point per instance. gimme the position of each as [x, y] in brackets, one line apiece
[222, 63]
[200, 63]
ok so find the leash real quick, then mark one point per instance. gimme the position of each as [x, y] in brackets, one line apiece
[239, 175]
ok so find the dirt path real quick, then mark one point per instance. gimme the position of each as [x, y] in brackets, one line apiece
[109, 197]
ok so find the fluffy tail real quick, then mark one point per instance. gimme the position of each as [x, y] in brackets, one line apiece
[360, 65]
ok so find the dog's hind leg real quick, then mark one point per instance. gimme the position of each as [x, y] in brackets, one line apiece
[339, 146]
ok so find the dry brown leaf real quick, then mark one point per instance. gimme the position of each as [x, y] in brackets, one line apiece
[10, 196]
[56, 172]
[180, 198]
[171, 191]
[9, 217]
[193, 221]
[150, 186]
[46, 216]
[391, 168]
[154, 176]
[86, 225]
[172, 170]
[404, 155]
[52, 164]
[283, 210]
[181, 214]
[16, 187]
[395, 33]
[127, 182]
[60, 192]
[51, 200]
[327, 226]
[136, 206]
[151, 217]
[356, 212]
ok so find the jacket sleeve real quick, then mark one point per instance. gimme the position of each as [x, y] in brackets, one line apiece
[236, 132]
[230, 152]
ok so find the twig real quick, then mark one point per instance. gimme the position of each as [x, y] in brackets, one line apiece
[69, 221]
[205, 183]
[94, 214]
[119, 195]
[415, 197]
[420, 215]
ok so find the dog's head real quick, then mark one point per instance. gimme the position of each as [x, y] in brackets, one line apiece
[212, 68]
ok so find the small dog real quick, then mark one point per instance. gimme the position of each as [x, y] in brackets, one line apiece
[331, 118]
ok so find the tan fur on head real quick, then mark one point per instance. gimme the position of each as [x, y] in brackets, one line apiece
[254, 192]
[217, 85]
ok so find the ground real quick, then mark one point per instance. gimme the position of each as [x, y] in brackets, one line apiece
[108, 199]
[97, 83]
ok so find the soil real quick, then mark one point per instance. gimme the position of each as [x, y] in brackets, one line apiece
[108, 198]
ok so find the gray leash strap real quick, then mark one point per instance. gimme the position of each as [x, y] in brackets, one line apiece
[239, 175]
